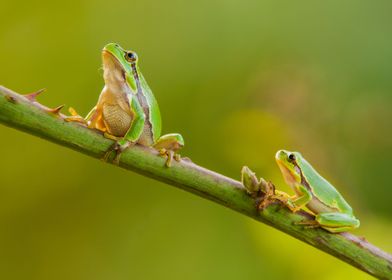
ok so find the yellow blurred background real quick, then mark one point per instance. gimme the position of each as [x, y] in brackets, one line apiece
[239, 80]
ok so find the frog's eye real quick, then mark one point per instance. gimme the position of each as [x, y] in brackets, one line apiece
[291, 157]
[130, 56]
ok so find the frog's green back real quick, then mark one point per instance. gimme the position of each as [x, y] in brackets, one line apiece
[321, 187]
[155, 114]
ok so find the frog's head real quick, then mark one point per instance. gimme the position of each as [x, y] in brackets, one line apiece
[119, 66]
[287, 162]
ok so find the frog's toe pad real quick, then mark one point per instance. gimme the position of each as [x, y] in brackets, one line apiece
[177, 157]
[169, 155]
[78, 119]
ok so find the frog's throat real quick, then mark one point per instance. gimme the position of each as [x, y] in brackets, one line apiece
[290, 178]
[113, 72]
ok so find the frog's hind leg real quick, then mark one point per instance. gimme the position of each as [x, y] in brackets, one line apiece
[168, 145]
[337, 222]
[338, 230]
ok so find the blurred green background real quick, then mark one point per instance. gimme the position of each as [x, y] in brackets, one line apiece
[239, 80]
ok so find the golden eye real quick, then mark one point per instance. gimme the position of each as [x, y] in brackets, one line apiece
[130, 56]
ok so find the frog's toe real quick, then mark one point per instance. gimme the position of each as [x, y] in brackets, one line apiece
[116, 160]
[75, 117]
[169, 160]
[106, 156]
[118, 147]
[177, 157]
[295, 209]
[308, 223]
[78, 119]
[162, 152]
[169, 155]
[108, 153]
[264, 203]
[289, 204]
[121, 148]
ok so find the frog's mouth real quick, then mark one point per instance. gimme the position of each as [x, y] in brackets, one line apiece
[113, 72]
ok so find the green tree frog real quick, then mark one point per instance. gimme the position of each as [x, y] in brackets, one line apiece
[127, 110]
[332, 212]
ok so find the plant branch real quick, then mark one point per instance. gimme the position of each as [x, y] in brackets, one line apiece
[25, 113]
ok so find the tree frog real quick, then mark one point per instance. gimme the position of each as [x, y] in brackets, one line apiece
[332, 212]
[127, 110]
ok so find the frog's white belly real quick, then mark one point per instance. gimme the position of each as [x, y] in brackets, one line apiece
[316, 206]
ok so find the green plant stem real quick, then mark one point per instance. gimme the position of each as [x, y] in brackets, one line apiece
[28, 115]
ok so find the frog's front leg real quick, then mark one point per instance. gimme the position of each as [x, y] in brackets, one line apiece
[302, 197]
[168, 145]
[337, 222]
[75, 117]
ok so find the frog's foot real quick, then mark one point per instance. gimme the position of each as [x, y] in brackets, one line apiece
[296, 202]
[167, 145]
[75, 117]
[265, 202]
[287, 201]
[118, 147]
[282, 197]
[169, 155]
[78, 119]
[270, 196]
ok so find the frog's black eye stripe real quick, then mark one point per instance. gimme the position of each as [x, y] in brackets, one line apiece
[130, 56]
[291, 157]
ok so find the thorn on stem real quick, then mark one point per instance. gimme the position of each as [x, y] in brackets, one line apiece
[56, 110]
[33, 96]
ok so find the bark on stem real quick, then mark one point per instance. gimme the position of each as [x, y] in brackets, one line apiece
[24, 113]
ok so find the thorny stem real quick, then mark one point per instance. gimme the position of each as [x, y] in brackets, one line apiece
[25, 113]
